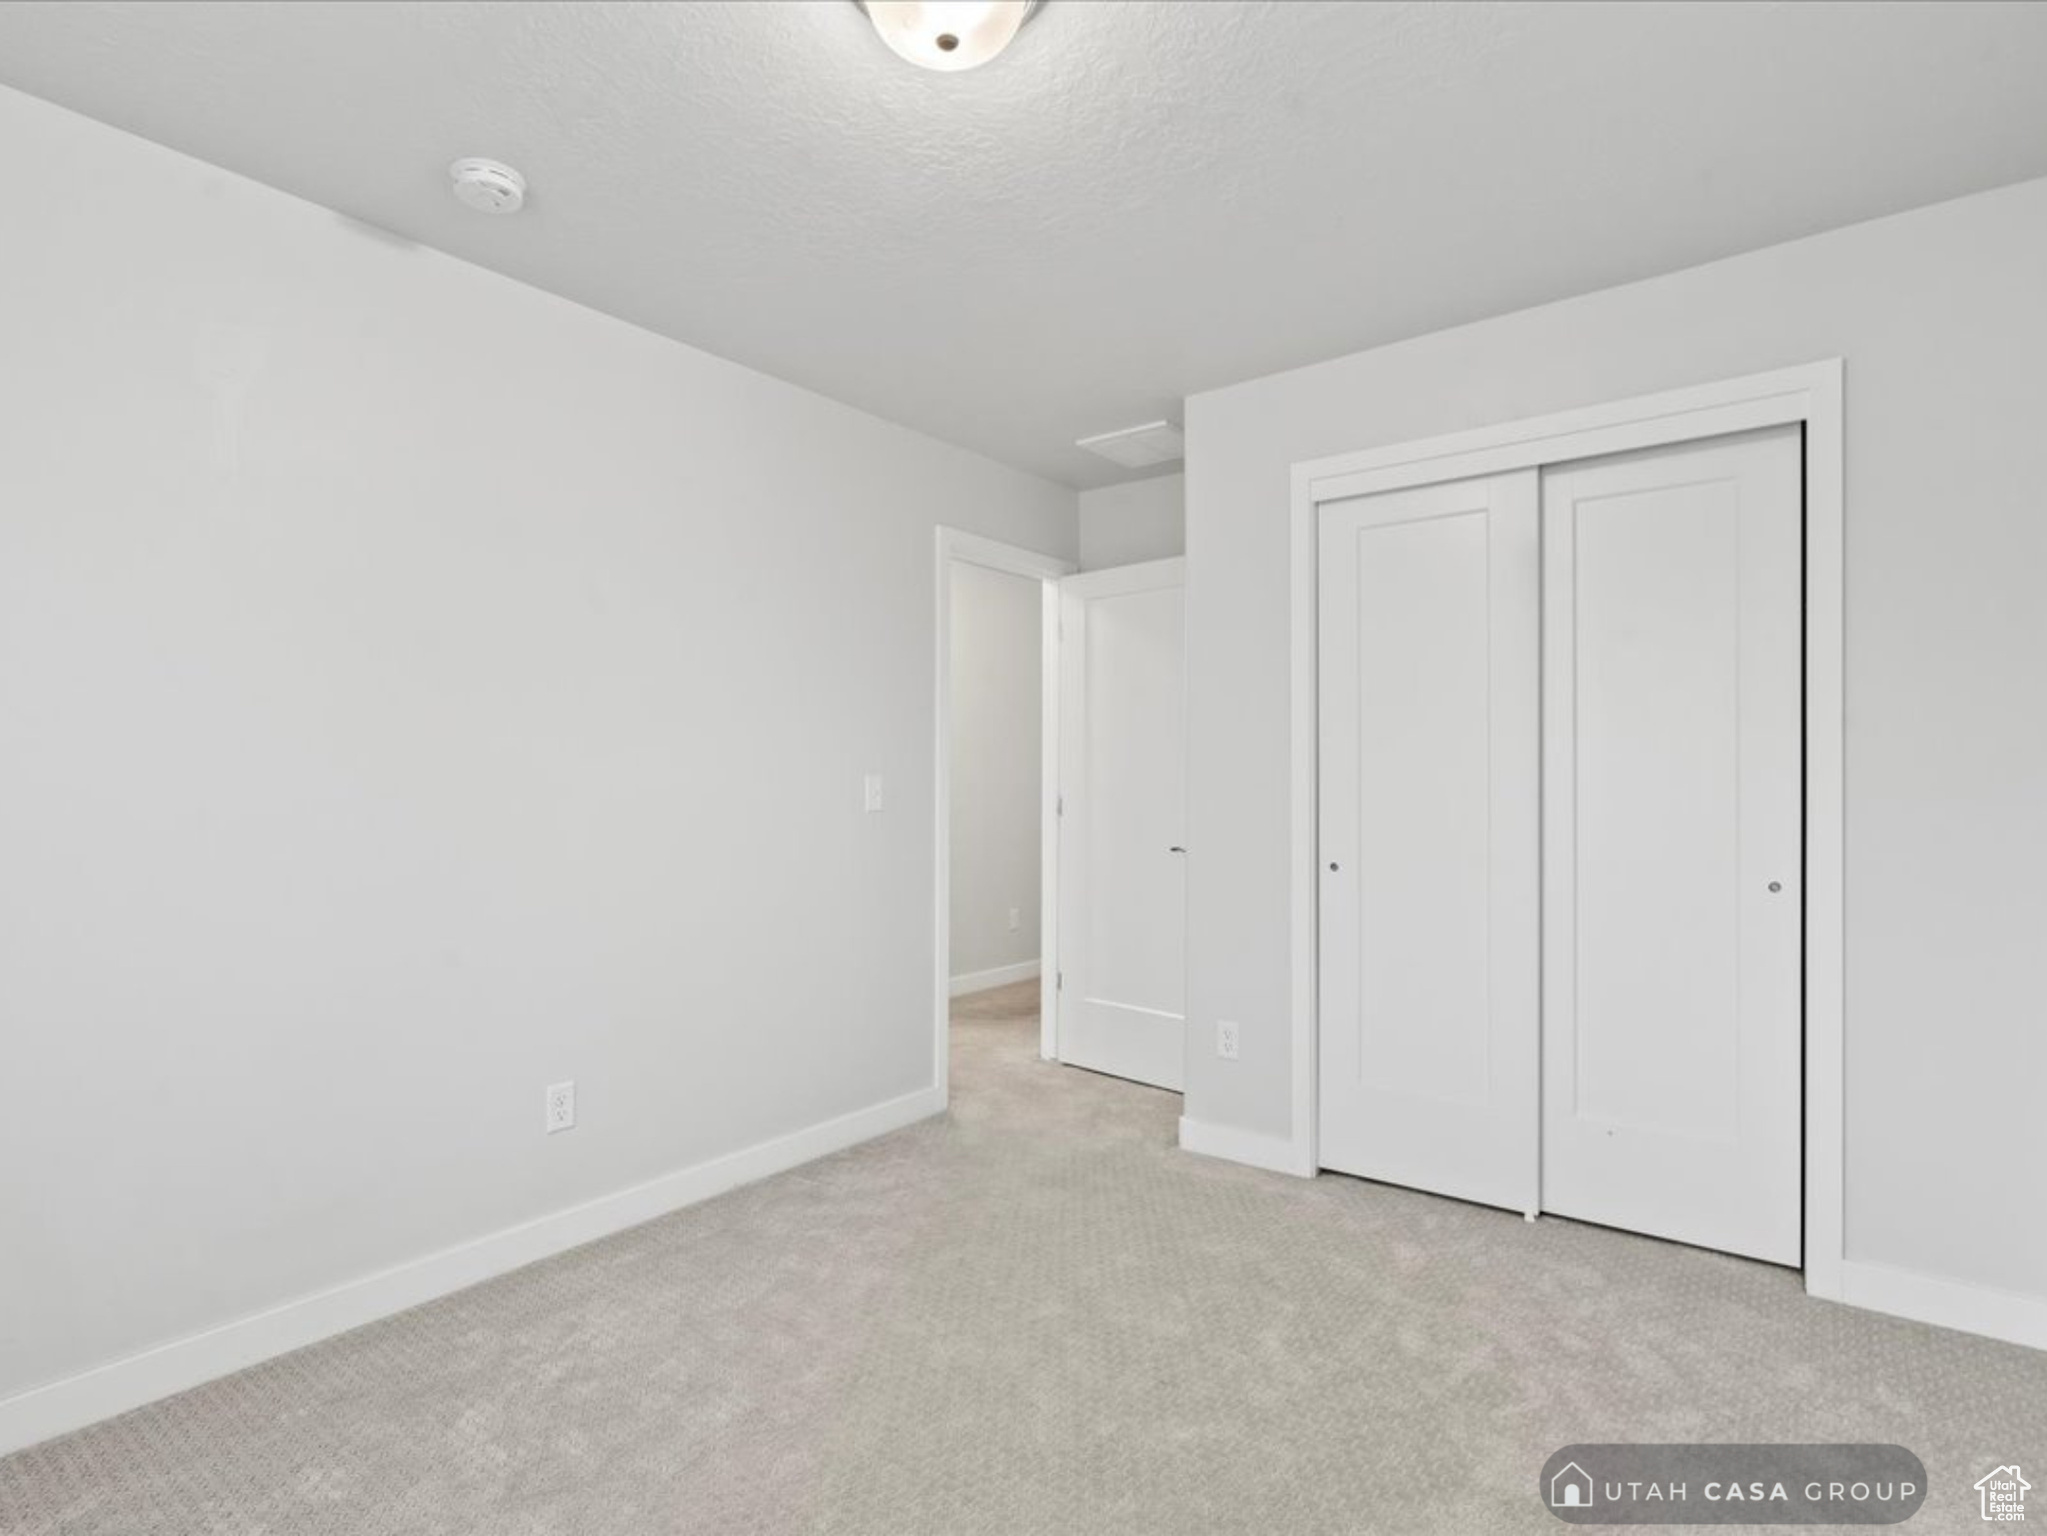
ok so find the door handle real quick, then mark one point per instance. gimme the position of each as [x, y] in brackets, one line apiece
[1176, 848]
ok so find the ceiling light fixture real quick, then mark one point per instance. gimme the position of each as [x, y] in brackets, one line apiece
[948, 34]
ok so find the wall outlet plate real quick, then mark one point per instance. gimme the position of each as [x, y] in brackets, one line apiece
[561, 1107]
[1015, 918]
[870, 788]
[1226, 1039]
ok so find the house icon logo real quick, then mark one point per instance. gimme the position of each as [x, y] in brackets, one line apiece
[2004, 1495]
[1571, 1488]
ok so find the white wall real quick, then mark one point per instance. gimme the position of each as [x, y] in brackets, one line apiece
[997, 725]
[1136, 521]
[1941, 315]
[415, 689]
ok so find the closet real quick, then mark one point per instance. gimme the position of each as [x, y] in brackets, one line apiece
[1559, 804]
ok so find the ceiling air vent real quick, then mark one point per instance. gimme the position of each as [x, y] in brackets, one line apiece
[1145, 447]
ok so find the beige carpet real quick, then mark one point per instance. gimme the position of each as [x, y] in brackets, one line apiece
[1036, 1316]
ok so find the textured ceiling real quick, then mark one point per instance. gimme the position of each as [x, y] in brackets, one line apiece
[1138, 201]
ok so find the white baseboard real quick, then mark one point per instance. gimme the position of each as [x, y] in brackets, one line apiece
[103, 1391]
[1001, 976]
[1233, 1145]
[2009, 1315]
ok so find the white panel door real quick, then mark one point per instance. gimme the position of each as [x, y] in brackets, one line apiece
[1430, 838]
[1672, 842]
[1122, 784]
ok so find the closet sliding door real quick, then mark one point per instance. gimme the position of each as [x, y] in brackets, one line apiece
[1429, 837]
[1673, 839]
[1561, 834]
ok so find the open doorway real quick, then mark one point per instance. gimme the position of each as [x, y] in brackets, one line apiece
[1060, 871]
[996, 866]
[997, 731]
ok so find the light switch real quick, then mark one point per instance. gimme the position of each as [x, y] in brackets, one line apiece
[873, 788]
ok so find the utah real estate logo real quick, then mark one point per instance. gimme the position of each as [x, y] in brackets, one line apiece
[2004, 1495]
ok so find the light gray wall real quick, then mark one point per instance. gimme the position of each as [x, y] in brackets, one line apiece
[1941, 315]
[1133, 522]
[997, 727]
[416, 689]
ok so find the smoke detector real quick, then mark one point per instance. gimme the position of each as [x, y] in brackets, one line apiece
[1154, 443]
[488, 186]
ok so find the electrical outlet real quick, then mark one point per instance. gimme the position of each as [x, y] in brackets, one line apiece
[561, 1107]
[1015, 918]
[1226, 1039]
[871, 788]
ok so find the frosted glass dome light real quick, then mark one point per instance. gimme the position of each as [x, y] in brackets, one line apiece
[947, 34]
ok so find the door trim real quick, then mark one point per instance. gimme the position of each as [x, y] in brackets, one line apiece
[1810, 394]
[955, 546]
